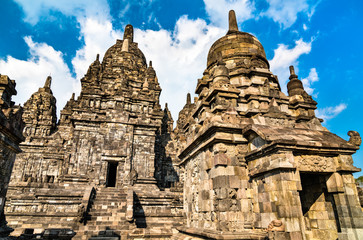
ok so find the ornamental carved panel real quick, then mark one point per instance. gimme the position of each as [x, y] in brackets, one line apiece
[314, 163]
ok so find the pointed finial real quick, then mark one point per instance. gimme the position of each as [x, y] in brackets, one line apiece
[48, 82]
[150, 63]
[98, 57]
[232, 22]
[129, 33]
[294, 86]
[166, 105]
[292, 72]
[189, 100]
[73, 96]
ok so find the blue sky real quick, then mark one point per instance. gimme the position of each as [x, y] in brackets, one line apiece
[322, 39]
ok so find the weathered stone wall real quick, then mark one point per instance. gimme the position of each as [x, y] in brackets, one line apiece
[252, 161]
[113, 135]
[256, 160]
[11, 127]
[276, 196]
[40, 206]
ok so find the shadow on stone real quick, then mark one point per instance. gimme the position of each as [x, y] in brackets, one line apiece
[50, 234]
[139, 213]
[108, 234]
[165, 173]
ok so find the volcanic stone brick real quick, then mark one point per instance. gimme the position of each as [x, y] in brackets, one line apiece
[288, 166]
[109, 141]
[11, 126]
[245, 161]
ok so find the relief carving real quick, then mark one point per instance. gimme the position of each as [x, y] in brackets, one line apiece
[315, 163]
[355, 138]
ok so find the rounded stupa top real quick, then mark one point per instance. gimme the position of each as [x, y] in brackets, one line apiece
[238, 48]
[125, 52]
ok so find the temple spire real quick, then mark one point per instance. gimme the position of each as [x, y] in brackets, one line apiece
[292, 72]
[129, 32]
[48, 82]
[232, 22]
[294, 86]
[189, 99]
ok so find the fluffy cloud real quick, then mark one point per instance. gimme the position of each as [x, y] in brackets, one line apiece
[285, 12]
[330, 112]
[179, 57]
[98, 36]
[30, 74]
[309, 80]
[81, 8]
[217, 14]
[284, 57]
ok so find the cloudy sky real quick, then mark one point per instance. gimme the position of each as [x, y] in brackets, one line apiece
[321, 38]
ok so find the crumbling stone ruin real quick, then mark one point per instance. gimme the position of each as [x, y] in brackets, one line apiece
[244, 161]
[11, 126]
[102, 165]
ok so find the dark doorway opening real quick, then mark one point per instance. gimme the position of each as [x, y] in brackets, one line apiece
[317, 202]
[111, 174]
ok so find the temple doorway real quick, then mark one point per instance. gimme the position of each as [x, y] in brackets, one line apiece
[318, 207]
[111, 174]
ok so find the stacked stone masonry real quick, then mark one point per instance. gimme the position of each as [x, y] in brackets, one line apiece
[245, 161]
[11, 126]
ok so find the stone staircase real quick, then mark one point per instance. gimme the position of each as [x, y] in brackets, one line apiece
[155, 214]
[108, 211]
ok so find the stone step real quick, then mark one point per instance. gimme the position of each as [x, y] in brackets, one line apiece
[85, 235]
[109, 199]
[110, 194]
[108, 204]
[110, 190]
[110, 213]
[107, 196]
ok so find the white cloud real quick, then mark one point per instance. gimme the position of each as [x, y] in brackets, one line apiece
[217, 11]
[330, 112]
[309, 80]
[284, 57]
[179, 57]
[35, 9]
[285, 12]
[30, 74]
[98, 37]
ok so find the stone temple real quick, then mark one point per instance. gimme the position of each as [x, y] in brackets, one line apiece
[245, 161]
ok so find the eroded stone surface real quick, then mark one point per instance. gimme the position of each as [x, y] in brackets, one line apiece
[11, 126]
[254, 158]
[245, 161]
[104, 163]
